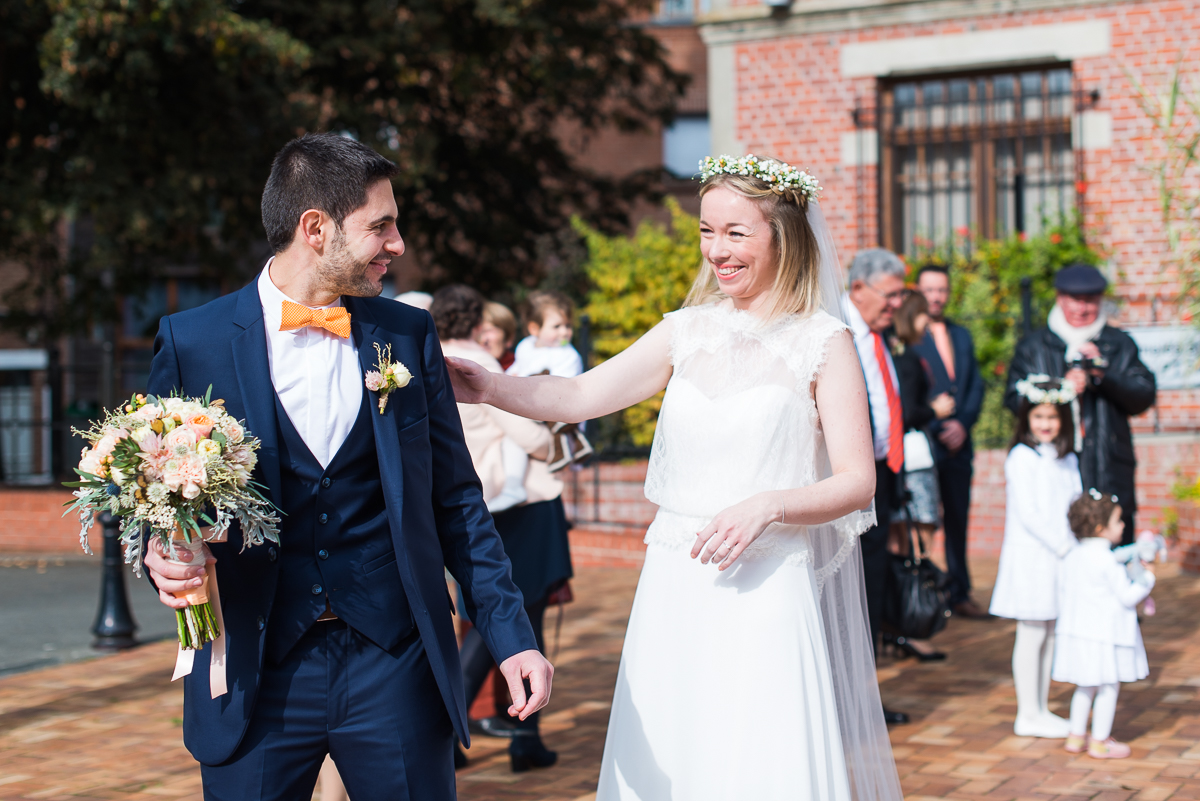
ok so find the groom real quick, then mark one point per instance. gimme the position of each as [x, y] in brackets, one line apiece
[339, 640]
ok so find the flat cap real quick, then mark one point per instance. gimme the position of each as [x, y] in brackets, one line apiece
[1080, 279]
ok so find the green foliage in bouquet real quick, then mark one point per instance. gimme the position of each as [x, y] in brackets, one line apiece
[635, 281]
[986, 299]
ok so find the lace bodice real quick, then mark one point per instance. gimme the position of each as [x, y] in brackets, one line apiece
[738, 418]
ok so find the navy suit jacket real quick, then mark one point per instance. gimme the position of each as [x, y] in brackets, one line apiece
[966, 388]
[435, 505]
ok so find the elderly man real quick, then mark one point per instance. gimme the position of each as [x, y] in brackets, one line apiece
[1102, 363]
[950, 353]
[876, 290]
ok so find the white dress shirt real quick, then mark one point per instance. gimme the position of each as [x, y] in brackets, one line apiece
[864, 343]
[315, 373]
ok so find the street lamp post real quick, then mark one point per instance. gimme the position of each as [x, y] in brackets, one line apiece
[114, 626]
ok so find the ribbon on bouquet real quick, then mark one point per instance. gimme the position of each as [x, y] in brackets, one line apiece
[185, 660]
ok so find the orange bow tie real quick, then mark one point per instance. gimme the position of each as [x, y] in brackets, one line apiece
[335, 320]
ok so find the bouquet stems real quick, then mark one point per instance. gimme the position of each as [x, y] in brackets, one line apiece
[195, 623]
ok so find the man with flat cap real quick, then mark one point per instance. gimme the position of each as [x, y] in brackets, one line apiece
[1102, 363]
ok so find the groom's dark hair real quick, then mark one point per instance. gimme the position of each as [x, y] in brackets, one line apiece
[327, 172]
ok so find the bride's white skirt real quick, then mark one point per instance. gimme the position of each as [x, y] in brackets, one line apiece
[724, 689]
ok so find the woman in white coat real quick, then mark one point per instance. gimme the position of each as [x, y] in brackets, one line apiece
[1042, 475]
[1098, 642]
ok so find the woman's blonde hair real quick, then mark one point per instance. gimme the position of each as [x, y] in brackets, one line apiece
[797, 283]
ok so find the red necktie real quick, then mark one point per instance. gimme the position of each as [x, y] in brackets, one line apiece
[895, 456]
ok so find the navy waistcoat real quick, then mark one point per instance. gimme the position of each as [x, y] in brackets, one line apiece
[335, 541]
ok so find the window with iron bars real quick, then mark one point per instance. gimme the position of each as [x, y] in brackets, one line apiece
[979, 155]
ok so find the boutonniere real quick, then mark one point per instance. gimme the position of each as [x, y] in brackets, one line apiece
[386, 376]
[896, 344]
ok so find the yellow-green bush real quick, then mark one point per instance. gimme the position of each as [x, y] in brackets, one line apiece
[635, 281]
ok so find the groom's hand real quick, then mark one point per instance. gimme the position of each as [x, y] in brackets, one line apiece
[171, 577]
[531, 666]
[471, 382]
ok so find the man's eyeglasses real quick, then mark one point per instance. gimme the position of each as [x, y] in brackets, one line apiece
[890, 297]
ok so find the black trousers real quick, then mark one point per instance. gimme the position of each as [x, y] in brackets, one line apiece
[874, 546]
[954, 483]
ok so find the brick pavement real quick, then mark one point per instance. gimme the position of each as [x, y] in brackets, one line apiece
[109, 728]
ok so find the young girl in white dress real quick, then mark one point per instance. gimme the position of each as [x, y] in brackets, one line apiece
[1042, 478]
[747, 670]
[1098, 643]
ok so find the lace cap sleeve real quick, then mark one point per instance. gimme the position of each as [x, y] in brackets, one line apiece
[808, 348]
[681, 324]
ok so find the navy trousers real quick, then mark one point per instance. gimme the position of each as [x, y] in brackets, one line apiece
[954, 483]
[378, 713]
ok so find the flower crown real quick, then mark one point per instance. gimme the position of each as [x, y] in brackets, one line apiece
[1097, 496]
[1062, 393]
[782, 178]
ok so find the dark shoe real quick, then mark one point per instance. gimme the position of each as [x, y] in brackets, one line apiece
[493, 727]
[971, 610]
[528, 751]
[924, 656]
[460, 756]
[894, 718]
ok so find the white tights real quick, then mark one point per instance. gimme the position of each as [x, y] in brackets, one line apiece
[1033, 655]
[1103, 710]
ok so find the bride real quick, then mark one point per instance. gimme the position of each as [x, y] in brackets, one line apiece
[747, 671]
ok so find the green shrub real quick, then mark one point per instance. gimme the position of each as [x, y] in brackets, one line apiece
[635, 281]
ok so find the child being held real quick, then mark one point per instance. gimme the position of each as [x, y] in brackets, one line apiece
[1042, 477]
[548, 351]
[1098, 642]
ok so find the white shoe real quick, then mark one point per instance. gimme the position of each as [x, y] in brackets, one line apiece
[1047, 725]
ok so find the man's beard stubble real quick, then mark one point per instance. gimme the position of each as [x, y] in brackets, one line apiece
[341, 274]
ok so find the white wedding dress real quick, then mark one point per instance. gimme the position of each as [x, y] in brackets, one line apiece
[758, 682]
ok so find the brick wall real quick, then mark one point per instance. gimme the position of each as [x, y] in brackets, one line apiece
[793, 102]
[610, 532]
[31, 521]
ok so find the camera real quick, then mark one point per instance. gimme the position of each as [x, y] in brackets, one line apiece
[1086, 364]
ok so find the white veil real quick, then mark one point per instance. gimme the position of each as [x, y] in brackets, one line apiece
[838, 563]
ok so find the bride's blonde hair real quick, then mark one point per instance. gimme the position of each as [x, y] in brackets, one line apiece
[797, 283]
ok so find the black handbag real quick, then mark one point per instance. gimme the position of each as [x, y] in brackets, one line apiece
[918, 602]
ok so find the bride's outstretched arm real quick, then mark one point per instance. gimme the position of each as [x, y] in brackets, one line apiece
[841, 396]
[636, 373]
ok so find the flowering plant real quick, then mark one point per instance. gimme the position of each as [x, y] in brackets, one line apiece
[170, 465]
[386, 376]
[1060, 393]
[783, 178]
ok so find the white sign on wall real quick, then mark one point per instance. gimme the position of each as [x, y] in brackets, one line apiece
[1172, 352]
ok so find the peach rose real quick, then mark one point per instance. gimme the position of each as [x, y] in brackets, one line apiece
[201, 425]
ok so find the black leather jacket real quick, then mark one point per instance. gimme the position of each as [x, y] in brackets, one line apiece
[1107, 462]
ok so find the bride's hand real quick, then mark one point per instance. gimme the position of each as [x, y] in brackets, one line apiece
[471, 383]
[733, 530]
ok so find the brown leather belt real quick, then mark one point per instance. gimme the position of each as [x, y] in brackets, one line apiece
[327, 615]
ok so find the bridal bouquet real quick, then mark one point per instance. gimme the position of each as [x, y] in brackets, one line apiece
[174, 466]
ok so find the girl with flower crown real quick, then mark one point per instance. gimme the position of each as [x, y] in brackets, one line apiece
[1042, 478]
[1099, 643]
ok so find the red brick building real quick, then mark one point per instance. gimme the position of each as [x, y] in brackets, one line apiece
[929, 118]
